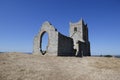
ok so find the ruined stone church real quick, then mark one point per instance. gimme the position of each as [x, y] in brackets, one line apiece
[77, 44]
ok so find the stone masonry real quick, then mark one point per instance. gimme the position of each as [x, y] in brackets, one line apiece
[77, 44]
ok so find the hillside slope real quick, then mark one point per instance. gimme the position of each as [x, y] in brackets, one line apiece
[18, 66]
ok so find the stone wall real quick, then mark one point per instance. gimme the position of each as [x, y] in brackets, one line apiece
[52, 42]
[65, 46]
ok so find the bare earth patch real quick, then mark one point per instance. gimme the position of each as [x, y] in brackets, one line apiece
[19, 66]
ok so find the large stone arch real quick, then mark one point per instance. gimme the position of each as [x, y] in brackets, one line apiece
[52, 42]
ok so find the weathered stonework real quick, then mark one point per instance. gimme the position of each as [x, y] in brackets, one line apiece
[58, 44]
[53, 39]
[79, 34]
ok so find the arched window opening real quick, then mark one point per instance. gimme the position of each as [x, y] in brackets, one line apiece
[44, 43]
[75, 29]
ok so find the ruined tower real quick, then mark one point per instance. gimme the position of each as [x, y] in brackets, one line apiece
[77, 44]
[79, 34]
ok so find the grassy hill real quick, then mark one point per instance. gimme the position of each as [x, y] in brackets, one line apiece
[19, 66]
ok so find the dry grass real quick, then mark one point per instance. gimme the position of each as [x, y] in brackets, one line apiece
[18, 66]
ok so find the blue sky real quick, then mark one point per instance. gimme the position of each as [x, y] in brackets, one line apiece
[20, 21]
